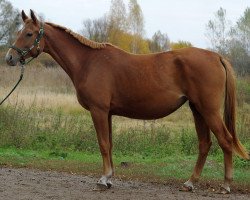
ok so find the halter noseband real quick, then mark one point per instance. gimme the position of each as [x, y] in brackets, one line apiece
[25, 51]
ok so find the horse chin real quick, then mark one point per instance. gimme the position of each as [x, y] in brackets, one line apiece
[12, 63]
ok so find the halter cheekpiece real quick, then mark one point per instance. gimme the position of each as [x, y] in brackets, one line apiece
[24, 51]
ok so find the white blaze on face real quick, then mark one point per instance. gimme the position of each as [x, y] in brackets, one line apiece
[7, 55]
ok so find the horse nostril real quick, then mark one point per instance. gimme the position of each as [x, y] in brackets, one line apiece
[10, 59]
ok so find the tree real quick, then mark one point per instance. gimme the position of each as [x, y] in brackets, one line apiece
[159, 42]
[239, 44]
[218, 32]
[180, 44]
[117, 21]
[119, 28]
[243, 29]
[136, 24]
[231, 41]
[239, 57]
[107, 28]
[9, 22]
[117, 16]
[97, 29]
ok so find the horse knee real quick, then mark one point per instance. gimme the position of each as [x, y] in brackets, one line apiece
[226, 144]
[224, 138]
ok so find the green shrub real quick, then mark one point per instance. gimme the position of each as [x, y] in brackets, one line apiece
[188, 142]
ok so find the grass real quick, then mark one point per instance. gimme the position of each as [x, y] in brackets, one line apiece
[70, 129]
[138, 167]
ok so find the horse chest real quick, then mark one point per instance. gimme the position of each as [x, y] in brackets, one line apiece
[82, 100]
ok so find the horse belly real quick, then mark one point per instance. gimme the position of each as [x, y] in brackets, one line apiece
[149, 109]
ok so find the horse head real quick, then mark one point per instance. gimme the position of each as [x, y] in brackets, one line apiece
[29, 41]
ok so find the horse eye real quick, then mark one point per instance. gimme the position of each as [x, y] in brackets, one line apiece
[29, 34]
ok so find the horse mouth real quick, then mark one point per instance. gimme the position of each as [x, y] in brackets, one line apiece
[11, 61]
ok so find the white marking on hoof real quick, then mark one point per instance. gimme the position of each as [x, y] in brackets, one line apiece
[187, 187]
[101, 184]
[225, 190]
[104, 182]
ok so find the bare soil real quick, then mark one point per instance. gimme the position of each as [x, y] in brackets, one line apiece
[30, 184]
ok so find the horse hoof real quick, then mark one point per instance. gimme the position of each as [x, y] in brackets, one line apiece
[101, 187]
[109, 184]
[186, 189]
[224, 190]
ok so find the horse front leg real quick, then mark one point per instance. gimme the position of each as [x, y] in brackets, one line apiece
[109, 182]
[101, 123]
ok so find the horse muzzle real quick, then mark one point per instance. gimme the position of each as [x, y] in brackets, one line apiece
[11, 59]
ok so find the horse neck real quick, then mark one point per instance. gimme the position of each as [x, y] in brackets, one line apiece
[66, 50]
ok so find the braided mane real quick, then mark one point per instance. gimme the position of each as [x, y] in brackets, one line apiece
[80, 38]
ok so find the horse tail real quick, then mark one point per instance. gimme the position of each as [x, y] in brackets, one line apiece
[230, 109]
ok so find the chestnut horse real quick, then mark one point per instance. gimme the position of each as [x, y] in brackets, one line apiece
[110, 81]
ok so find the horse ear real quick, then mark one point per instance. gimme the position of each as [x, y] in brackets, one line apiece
[33, 16]
[24, 16]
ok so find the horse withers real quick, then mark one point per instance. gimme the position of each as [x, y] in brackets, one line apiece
[110, 81]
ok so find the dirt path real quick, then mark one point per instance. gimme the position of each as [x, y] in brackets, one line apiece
[27, 184]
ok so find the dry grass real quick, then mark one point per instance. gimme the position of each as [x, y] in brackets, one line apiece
[178, 120]
[46, 87]
[36, 79]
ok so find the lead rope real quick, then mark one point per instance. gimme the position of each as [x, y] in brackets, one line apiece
[22, 61]
[21, 77]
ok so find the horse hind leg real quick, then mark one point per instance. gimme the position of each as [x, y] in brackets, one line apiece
[225, 140]
[203, 133]
[109, 182]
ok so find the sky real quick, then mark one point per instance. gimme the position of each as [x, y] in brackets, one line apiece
[180, 19]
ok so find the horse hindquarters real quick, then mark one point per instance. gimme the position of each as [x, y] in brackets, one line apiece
[206, 98]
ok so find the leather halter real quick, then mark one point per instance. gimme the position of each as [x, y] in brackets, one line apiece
[24, 51]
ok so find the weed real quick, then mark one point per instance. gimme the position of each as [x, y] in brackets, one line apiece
[188, 141]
